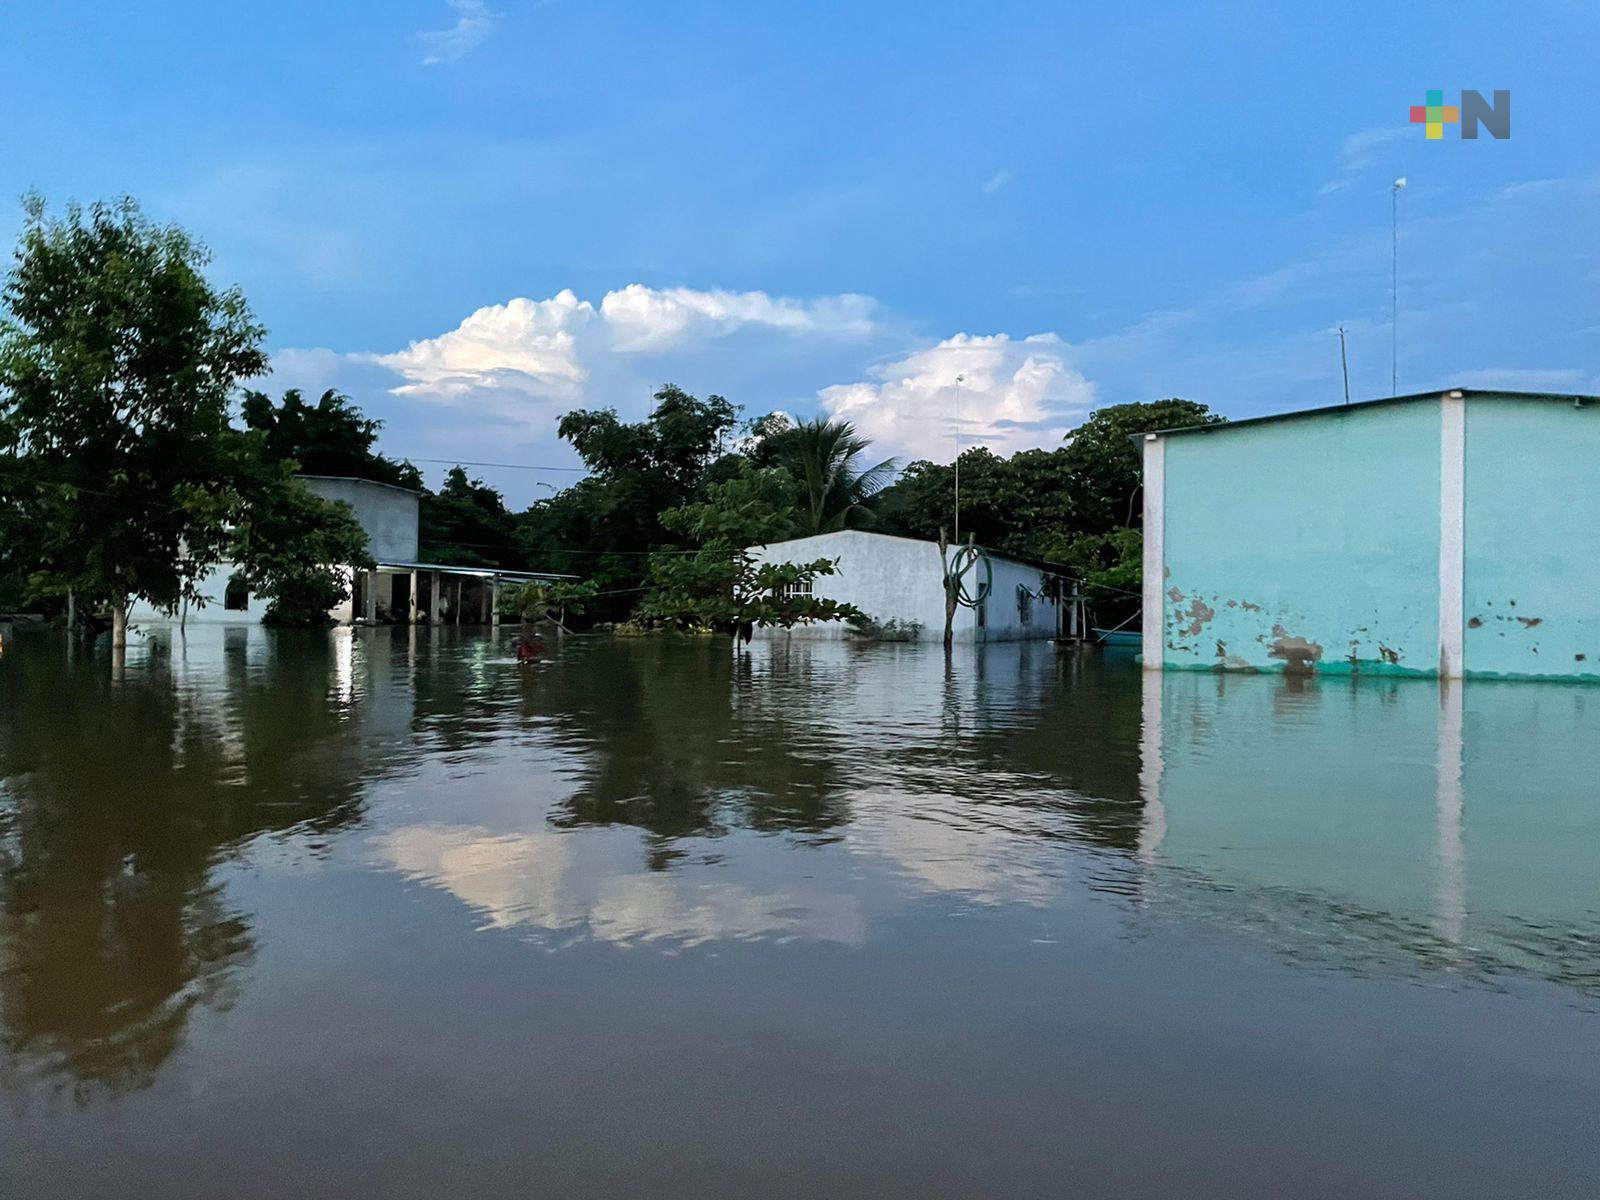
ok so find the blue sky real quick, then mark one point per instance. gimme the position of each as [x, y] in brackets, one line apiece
[474, 216]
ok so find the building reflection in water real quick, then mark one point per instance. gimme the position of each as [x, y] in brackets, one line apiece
[1383, 825]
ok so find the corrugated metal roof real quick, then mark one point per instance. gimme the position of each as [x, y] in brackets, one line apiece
[1332, 409]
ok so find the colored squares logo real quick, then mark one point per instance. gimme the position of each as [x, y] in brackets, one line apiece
[1435, 114]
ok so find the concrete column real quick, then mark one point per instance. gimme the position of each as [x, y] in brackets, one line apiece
[1452, 533]
[455, 609]
[494, 602]
[483, 604]
[369, 609]
[1155, 549]
[1153, 820]
[434, 615]
[415, 608]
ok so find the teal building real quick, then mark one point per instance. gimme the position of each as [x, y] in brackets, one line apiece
[1452, 534]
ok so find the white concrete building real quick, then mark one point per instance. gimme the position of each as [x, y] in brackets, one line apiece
[399, 590]
[899, 583]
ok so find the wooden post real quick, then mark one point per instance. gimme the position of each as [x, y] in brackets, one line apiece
[434, 596]
[949, 588]
[412, 617]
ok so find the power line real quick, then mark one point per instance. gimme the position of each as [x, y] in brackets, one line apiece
[467, 462]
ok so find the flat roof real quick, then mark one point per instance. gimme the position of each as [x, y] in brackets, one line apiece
[1038, 564]
[480, 572]
[358, 479]
[1330, 409]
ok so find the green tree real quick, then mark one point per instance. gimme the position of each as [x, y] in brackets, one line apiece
[1104, 460]
[330, 437]
[467, 524]
[824, 457]
[117, 363]
[607, 525]
[732, 593]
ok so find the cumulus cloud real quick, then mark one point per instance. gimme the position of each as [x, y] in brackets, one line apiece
[1014, 394]
[474, 20]
[526, 347]
[516, 359]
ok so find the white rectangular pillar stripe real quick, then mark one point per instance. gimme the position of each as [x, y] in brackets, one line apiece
[415, 604]
[1452, 533]
[435, 596]
[1155, 550]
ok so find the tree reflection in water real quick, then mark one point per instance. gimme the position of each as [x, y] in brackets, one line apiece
[119, 802]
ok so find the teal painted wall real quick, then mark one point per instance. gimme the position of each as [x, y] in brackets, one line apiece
[1309, 543]
[1532, 551]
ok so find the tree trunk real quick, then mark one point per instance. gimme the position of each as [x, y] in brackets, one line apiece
[119, 623]
[949, 590]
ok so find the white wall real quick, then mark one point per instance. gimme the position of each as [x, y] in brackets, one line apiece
[894, 578]
[213, 585]
[388, 514]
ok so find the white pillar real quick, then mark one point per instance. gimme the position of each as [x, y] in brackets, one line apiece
[369, 608]
[1155, 549]
[494, 602]
[1153, 820]
[1450, 916]
[1452, 533]
[414, 613]
[483, 605]
[434, 595]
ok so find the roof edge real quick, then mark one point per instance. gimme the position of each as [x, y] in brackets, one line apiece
[1575, 398]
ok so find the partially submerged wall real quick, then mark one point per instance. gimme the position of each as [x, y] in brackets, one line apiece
[1304, 545]
[1531, 597]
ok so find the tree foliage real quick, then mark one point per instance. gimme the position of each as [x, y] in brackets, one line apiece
[330, 437]
[117, 363]
[832, 488]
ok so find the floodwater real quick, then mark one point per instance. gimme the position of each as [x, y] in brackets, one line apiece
[379, 914]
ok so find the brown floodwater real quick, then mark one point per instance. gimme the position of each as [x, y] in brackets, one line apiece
[379, 914]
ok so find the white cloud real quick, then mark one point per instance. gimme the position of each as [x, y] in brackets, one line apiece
[997, 181]
[644, 318]
[517, 360]
[474, 20]
[1014, 395]
[526, 347]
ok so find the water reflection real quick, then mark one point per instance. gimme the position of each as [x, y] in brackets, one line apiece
[680, 796]
[118, 800]
[1379, 825]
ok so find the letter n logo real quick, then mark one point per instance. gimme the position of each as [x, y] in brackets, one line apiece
[1475, 110]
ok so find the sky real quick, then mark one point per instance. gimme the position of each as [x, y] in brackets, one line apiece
[475, 215]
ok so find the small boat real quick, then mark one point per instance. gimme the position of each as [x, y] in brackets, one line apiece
[1118, 637]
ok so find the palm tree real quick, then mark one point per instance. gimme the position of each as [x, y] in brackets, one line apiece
[823, 457]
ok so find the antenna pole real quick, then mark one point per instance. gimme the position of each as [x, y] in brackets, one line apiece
[1344, 362]
[1394, 286]
[959, 380]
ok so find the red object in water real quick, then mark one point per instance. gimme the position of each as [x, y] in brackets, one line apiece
[528, 650]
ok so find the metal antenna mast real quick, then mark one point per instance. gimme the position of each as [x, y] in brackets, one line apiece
[1344, 362]
[960, 379]
[1394, 285]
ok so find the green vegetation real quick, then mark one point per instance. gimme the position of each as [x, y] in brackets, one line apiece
[121, 477]
[125, 473]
